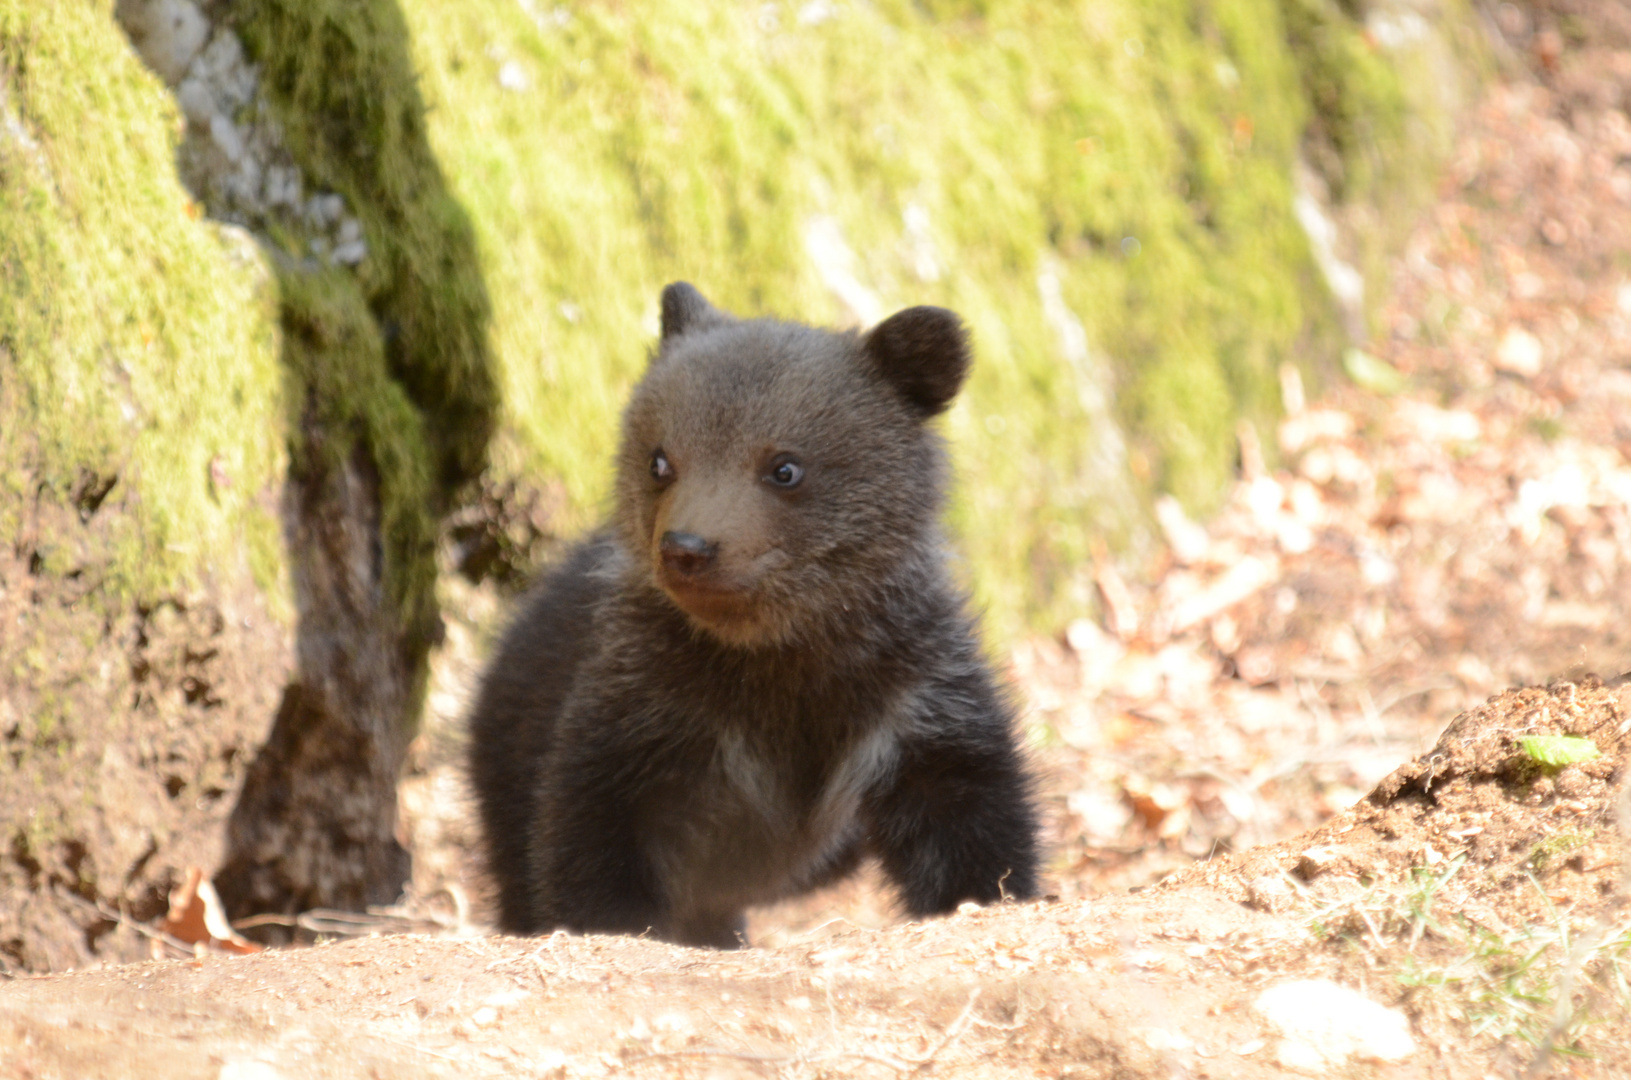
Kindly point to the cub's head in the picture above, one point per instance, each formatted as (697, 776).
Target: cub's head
(774, 476)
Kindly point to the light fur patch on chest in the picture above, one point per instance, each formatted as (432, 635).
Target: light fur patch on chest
(869, 760)
(753, 777)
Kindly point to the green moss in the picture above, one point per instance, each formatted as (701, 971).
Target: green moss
(338, 75)
(647, 143)
(136, 342)
(393, 357)
(1139, 154)
(336, 360)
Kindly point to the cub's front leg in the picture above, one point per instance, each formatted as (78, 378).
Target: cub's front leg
(610, 840)
(590, 861)
(955, 821)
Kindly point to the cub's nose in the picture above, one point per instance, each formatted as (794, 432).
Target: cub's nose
(686, 553)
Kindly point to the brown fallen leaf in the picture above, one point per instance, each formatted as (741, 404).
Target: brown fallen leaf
(197, 918)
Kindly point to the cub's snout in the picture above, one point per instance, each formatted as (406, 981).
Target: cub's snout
(686, 556)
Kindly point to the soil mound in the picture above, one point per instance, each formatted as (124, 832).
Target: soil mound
(1522, 788)
(1467, 918)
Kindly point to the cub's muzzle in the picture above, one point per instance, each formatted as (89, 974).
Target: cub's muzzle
(687, 555)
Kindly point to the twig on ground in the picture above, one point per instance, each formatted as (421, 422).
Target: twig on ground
(122, 919)
(954, 1031)
(419, 1049)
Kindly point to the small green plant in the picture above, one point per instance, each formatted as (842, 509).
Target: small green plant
(1548, 852)
(1541, 984)
(1549, 428)
(1557, 751)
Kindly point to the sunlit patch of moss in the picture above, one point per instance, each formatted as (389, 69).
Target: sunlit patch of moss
(336, 361)
(338, 76)
(1143, 153)
(1144, 150)
(396, 353)
(136, 341)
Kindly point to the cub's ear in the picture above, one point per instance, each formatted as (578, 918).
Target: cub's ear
(923, 352)
(686, 309)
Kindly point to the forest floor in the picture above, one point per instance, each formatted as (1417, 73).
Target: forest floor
(1270, 854)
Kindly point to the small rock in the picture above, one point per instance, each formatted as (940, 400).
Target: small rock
(1271, 893)
(283, 186)
(1573, 783)
(1318, 860)
(1519, 353)
(246, 184)
(350, 254)
(221, 64)
(226, 136)
(322, 211)
(167, 34)
(1325, 1026)
(196, 101)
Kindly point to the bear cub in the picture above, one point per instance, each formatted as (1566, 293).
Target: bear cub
(759, 670)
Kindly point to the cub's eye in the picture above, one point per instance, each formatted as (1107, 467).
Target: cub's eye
(661, 470)
(785, 472)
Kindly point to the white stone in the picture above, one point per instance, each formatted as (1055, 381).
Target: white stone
(226, 135)
(222, 65)
(283, 186)
(350, 254)
(322, 211)
(1325, 1026)
(167, 34)
(196, 101)
(249, 1069)
(1519, 353)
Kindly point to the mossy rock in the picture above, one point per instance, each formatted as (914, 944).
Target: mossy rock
(144, 590)
(1120, 165)
(1103, 189)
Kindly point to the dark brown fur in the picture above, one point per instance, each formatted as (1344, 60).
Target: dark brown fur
(740, 686)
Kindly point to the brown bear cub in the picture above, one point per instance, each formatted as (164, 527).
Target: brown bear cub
(759, 671)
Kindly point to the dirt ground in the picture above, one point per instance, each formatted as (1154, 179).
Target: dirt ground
(1227, 900)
